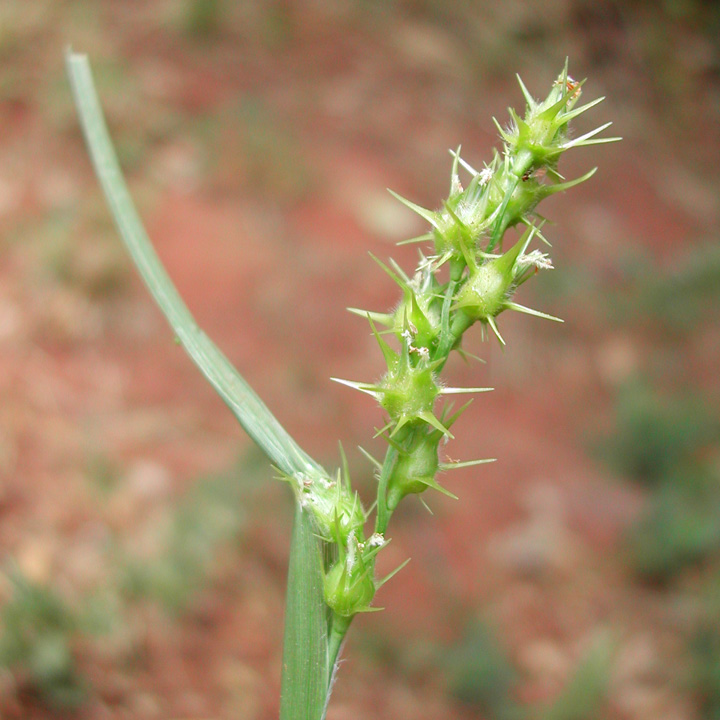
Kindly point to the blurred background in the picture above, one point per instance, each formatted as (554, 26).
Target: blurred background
(144, 542)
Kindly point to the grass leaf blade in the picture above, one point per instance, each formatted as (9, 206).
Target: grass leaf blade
(254, 416)
(305, 673)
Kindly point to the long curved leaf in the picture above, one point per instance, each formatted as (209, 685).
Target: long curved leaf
(259, 423)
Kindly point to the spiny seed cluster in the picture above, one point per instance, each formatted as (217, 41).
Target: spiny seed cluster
(468, 278)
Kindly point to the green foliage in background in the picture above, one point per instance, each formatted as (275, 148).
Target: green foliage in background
(673, 302)
(203, 18)
(668, 441)
(657, 437)
(704, 645)
(36, 644)
(40, 629)
(679, 528)
(481, 675)
(209, 517)
(688, 294)
(587, 688)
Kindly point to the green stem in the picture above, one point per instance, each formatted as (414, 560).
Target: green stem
(500, 227)
(383, 511)
(340, 627)
(521, 164)
(447, 337)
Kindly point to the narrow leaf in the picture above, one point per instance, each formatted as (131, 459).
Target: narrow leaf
(305, 673)
(254, 416)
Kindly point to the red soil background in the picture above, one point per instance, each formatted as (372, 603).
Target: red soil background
(259, 152)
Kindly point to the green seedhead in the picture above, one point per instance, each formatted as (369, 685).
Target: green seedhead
(468, 280)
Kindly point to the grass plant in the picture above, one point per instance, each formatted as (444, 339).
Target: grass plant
(469, 277)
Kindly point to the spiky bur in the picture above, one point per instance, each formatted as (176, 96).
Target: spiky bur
(335, 508)
(467, 279)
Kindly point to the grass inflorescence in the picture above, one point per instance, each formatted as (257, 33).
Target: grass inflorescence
(469, 277)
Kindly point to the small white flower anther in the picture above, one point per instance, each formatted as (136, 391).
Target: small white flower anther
(540, 260)
(376, 540)
(485, 175)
